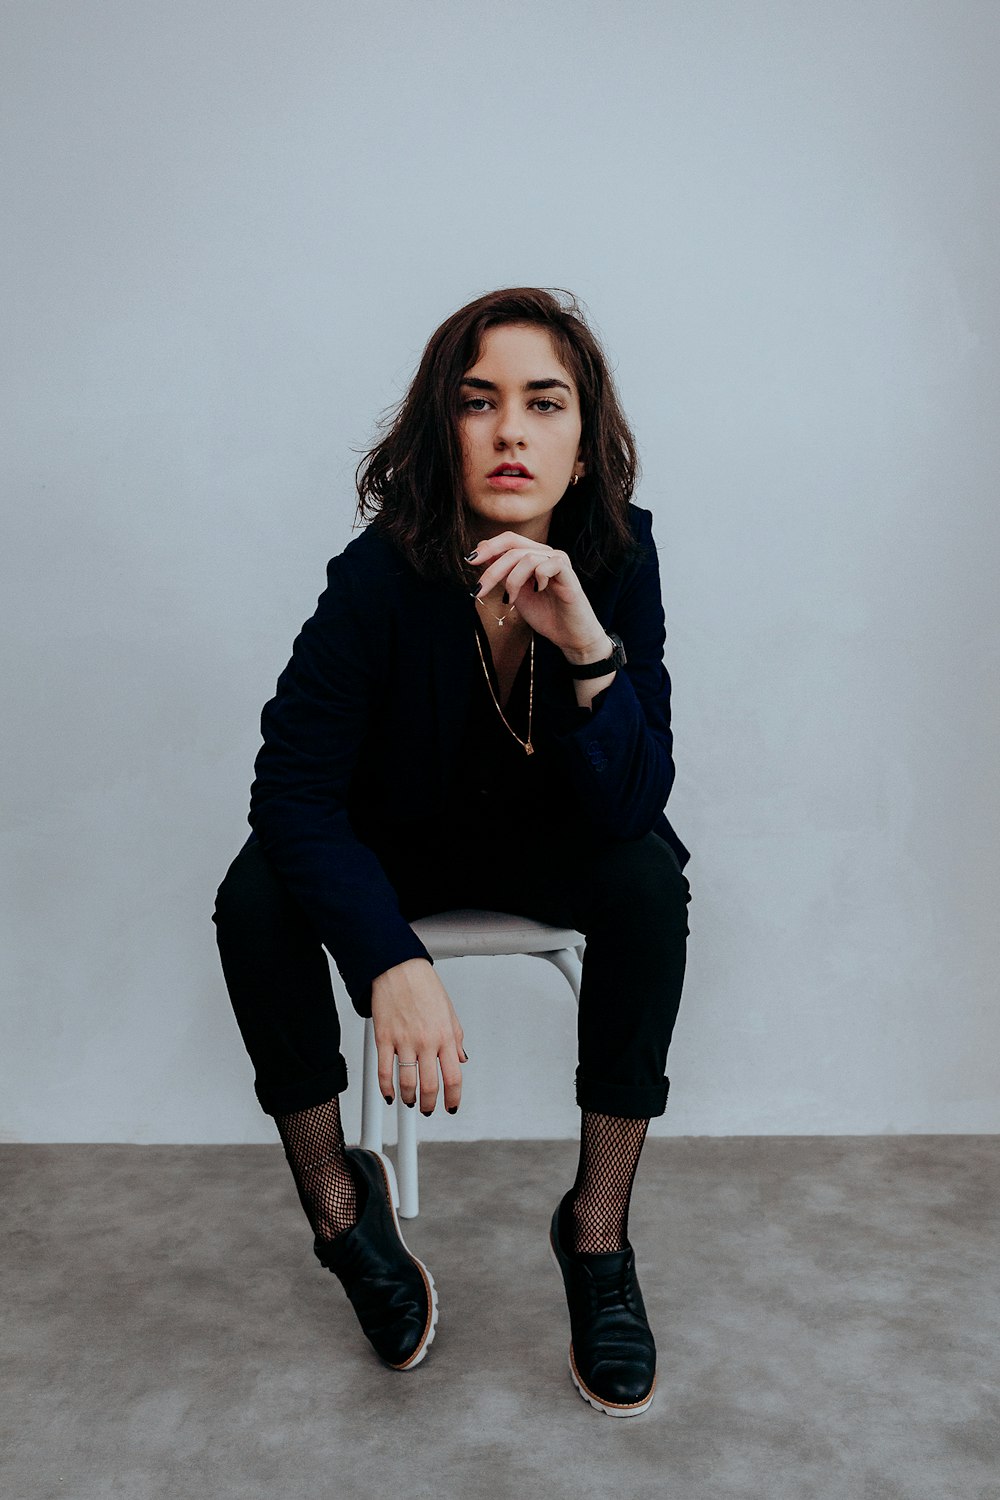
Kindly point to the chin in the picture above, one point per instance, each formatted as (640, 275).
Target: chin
(512, 511)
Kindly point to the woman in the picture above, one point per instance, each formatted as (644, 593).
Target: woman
(477, 714)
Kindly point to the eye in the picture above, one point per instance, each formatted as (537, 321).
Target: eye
(469, 404)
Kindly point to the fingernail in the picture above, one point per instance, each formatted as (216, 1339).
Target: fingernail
(453, 1109)
(387, 1098)
(410, 1103)
(426, 1111)
(475, 591)
(535, 585)
(471, 556)
(506, 597)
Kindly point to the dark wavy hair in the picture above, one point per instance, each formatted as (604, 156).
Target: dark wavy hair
(410, 484)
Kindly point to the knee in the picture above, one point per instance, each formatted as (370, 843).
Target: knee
(642, 877)
(249, 895)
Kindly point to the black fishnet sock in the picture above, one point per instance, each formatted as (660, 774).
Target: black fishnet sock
(597, 1210)
(314, 1145)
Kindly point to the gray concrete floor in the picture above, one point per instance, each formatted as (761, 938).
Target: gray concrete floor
(827, 1315)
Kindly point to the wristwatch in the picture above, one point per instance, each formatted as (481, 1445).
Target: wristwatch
(601, 668)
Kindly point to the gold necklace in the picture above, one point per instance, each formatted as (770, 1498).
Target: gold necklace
(499, 618)
(526, 745)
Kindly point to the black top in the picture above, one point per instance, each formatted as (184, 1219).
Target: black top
(497, 787)
(496, 775)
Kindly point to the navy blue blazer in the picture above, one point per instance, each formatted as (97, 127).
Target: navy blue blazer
(362, 735)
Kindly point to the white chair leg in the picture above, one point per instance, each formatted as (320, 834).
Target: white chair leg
(568, 964)
(406, 1192)
(372, 1103)
(406, 1159)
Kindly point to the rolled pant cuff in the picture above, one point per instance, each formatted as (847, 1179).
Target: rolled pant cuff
(628, 1101)
(286, 1098)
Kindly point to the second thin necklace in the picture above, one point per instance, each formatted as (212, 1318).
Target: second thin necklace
(526, 745)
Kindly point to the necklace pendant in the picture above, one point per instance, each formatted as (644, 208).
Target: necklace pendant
(529, 748)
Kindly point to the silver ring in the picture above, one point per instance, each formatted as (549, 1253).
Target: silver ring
(409, 1065)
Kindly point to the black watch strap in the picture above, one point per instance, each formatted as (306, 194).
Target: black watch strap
(602, 668)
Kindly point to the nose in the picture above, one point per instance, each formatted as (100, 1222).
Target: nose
(509, 429)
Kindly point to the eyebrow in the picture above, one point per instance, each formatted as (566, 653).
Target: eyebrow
(529, 385)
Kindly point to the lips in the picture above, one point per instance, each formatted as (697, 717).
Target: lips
(510, 469)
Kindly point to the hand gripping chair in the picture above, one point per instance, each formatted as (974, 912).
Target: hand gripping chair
(458, 934)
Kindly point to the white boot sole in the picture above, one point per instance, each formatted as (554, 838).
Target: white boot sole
(392, 1191)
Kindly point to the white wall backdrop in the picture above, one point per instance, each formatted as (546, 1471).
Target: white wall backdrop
(229, 230)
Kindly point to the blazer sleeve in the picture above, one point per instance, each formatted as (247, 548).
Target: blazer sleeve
(618, 754)
(313, 730)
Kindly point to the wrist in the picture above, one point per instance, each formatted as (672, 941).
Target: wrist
(599, 649)
(388, 976)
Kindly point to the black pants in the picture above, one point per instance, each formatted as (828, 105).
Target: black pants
(629, 898)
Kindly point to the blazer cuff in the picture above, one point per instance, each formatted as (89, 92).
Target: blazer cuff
(567, 718)
(358, 978)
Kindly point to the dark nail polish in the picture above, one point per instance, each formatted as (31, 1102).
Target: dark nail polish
(535, 585)
(506, 597)
(453, 1109)
(387, 1098)
(475, 591)
(410, 1103)
(426, 1111)
(472, 555)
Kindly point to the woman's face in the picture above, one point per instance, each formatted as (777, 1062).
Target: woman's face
(518, 406)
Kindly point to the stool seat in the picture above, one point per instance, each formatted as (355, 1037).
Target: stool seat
(467, 931)
(463, 932)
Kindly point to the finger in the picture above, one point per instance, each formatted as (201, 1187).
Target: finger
(428, 1082)
(451, 1074)
(541, 577)
(463, 1056)
(502, 567)
(558, 566)
(501, 542)
(494, 573)
(407, 1082)
(385, 1052)
(486, 550)
(520, 573)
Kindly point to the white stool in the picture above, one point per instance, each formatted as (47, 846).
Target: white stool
(458, 934)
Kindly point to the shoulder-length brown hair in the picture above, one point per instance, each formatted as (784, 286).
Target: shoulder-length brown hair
(410, 484)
